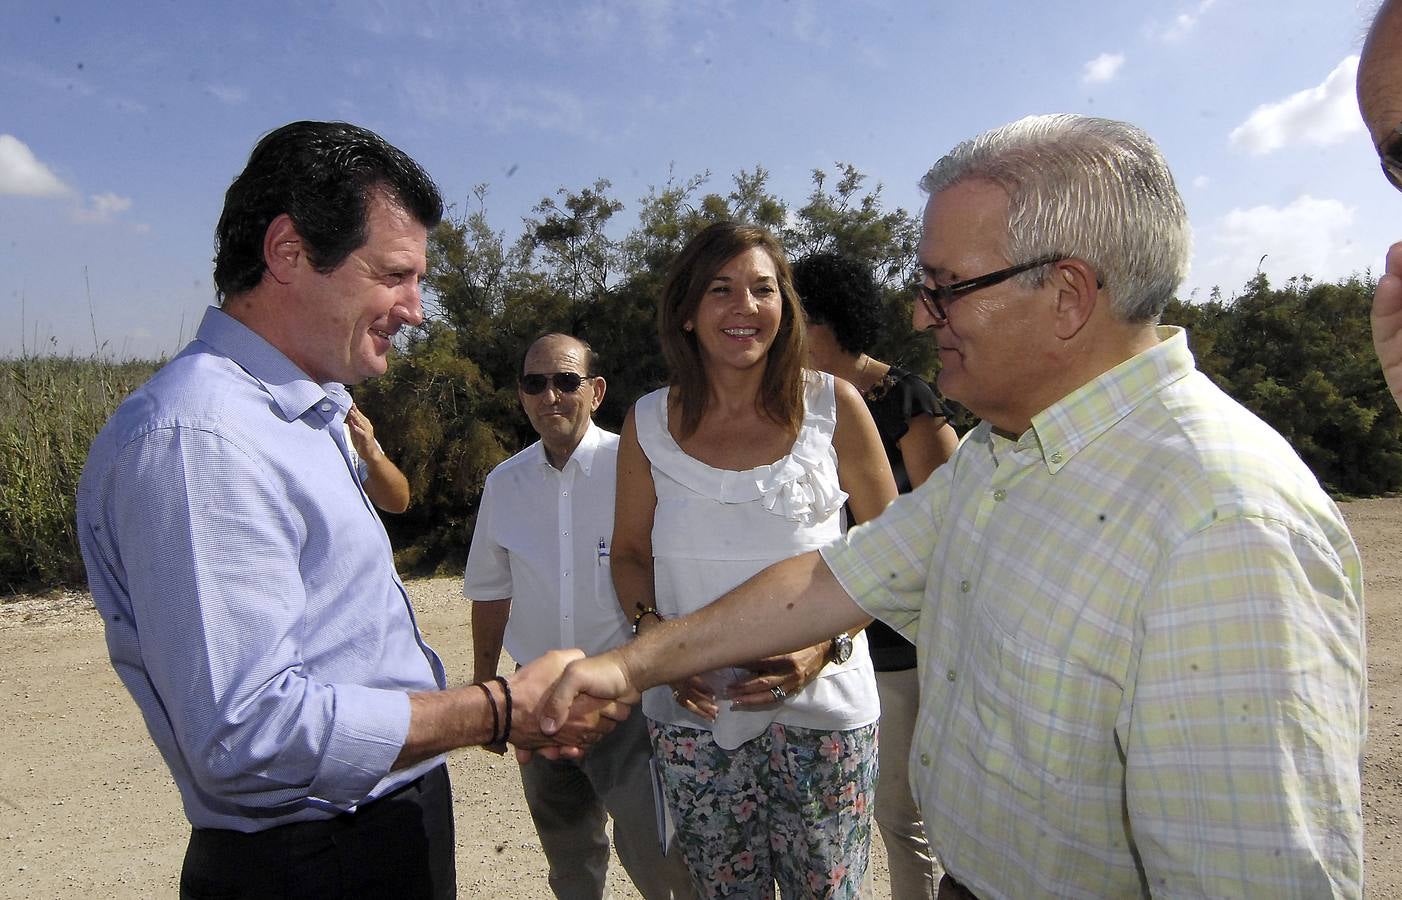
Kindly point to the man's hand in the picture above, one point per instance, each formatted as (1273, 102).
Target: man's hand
(1387, 322)
(581, 723)
(592, 680)
(791, 672)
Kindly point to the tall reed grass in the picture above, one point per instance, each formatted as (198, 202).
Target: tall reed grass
(51, 408)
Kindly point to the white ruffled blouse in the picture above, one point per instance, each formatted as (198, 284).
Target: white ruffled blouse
(714, 528)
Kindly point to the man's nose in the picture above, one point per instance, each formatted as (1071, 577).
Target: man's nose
(922, 320)
(411, 307)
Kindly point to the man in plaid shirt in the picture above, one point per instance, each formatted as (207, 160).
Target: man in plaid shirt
(1139, 618)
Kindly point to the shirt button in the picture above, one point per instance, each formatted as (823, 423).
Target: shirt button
(326, 407)
(964, 587)
(949, 676)
(1000, 495)
(1056, 458)
(925, 759)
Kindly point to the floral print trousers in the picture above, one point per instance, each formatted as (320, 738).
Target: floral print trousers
(792, 805)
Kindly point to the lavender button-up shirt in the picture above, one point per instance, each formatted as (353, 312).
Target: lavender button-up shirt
(248, 588)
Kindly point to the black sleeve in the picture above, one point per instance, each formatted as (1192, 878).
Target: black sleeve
(909, 397)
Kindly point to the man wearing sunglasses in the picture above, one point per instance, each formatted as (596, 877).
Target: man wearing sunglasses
(1139, 618)
(539, 579)
(1380, 102)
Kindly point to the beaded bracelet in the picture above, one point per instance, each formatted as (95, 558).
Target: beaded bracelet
(646, 611)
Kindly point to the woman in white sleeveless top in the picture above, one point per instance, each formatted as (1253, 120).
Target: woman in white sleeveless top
(769, 770)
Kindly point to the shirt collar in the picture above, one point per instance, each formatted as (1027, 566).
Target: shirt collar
(1073, 422)
(294, 392)
(583, 455)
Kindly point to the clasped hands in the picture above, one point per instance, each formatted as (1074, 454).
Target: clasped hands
(771, 680)
(608, 677)
(576, 725)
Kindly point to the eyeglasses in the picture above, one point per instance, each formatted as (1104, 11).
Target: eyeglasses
(938, 298)
(1390, 156)
(564, 382)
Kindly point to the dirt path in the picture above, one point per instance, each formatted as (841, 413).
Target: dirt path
(87, 807)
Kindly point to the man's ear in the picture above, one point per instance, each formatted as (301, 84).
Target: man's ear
(282, 248)
(1077, 295)
(599, 387)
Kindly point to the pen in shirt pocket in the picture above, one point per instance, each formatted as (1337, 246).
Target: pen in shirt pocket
(603, 552)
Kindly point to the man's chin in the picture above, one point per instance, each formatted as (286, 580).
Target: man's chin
(367, 371)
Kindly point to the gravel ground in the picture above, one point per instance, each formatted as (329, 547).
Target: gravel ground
(91, 811)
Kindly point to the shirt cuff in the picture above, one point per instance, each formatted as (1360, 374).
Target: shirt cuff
(367, 734)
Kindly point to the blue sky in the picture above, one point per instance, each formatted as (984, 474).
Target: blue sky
(121, 124)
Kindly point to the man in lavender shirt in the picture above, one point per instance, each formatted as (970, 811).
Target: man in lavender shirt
(245, 582)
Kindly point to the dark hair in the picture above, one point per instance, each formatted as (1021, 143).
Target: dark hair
(591, 357)
(322, 175)
(839, 292)
(781, 391)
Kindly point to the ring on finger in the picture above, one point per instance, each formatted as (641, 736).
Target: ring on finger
(779, 693)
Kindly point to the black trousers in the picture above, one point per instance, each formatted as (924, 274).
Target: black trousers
(399, 846)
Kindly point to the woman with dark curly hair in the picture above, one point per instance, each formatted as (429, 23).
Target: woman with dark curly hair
(843, 308)
(746, 459)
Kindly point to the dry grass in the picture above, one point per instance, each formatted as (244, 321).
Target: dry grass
(51, 408)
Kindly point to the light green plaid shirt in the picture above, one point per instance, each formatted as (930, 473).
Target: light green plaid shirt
(1140, 629)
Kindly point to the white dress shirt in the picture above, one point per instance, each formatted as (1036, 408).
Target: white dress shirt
(542, 539)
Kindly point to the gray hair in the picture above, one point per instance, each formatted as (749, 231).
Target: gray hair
(1094, 189)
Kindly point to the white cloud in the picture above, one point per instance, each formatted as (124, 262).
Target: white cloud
(501, 106)
(1184, 23)
(1201, 182)
(101, 208)
(22, 173)
(1308, 236)
(548, 28)
(228, 95)
(45, 78)
(654, 18)
(809, 25)
(1103, 68)
(1321, 115)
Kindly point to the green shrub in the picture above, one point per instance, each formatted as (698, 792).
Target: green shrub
(51, 408)
(1300, 356)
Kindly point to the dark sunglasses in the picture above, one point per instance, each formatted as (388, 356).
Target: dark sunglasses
(564, 382)
(1390, 156)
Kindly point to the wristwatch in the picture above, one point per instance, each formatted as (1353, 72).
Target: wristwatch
(841, 649)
